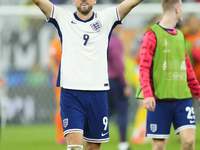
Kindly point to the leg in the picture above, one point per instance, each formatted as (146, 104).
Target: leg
(74, 141)
(157, 126)
(121, 106)
(187, 137)
(122, 118)
(92, 146)
(74, 138)
(59, 129)
(184, 124)
(111, 96)
(158, 144)
(73, 119)
(122, 121)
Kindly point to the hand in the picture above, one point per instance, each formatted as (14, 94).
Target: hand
(150, 104)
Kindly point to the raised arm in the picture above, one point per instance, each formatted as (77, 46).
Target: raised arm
(126, 6)
(45, 6)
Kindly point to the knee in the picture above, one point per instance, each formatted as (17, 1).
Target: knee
(188, 143)
(158, 144)
(92, 146)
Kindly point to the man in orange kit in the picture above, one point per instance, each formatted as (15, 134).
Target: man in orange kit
(53, 63)
(192, 36)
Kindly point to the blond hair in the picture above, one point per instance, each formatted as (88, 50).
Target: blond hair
(169, 4)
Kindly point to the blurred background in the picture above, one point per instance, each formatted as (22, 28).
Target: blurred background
(28, 96)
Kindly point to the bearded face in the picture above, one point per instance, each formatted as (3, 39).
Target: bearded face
(84, 9)
(84, 6)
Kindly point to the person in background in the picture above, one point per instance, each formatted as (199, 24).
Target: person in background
(83, 72)
(2, 82)
(53, 63)
(139, 129)
(192, 36)
(119, 89)
(167, 80)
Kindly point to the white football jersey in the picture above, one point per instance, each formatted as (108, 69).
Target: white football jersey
(84, 48)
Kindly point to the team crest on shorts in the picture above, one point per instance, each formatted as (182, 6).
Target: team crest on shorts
(65, 122)
(153, 127)
(96, 26)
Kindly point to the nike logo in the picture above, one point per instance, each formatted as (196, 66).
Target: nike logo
(192, 121)
(73, 22)
(103, 134)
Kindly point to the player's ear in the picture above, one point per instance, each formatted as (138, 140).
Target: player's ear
(73, 2)
(177, 10)
(95, 1)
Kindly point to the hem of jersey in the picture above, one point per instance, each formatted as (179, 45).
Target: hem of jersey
(86, 89)
(185, 127)
(96, 140)
(72, 131)
(158, 136)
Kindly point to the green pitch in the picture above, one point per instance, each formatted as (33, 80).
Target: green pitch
(42, 137)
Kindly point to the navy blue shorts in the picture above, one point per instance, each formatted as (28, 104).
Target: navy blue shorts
(85, 112)
(179, 112)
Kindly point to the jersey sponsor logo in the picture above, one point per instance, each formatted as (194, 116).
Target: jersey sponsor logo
(65, 122)
(73, 22)
(166, 50)
(96, 26)
(103, 134)
(192, 121)
(153, 127)
(176, 76)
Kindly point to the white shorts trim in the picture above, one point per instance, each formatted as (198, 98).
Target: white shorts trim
(185, 127)
(158, 136)
(96, 140)
(72, 131)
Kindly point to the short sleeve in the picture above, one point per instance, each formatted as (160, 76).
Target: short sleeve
(111, 14)
(58, 13)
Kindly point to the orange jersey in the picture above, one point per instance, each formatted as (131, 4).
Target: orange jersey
(55, 51)
(194, 39)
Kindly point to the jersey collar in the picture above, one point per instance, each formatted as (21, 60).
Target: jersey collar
(75, 15)
(171, 31)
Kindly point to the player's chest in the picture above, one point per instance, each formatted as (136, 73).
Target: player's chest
(91, 27)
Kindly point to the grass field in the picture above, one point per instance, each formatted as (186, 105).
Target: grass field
(41, 137)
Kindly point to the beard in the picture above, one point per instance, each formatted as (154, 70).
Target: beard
(86, 11)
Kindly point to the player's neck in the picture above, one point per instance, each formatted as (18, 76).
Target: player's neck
(85, 17)
(168, 22)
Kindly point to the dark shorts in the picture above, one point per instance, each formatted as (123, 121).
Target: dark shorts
(179, 112)
(85, 112)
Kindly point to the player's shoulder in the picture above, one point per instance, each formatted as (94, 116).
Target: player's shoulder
(105, 12)
(61, 10)
(149, 33)
(149, 36)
